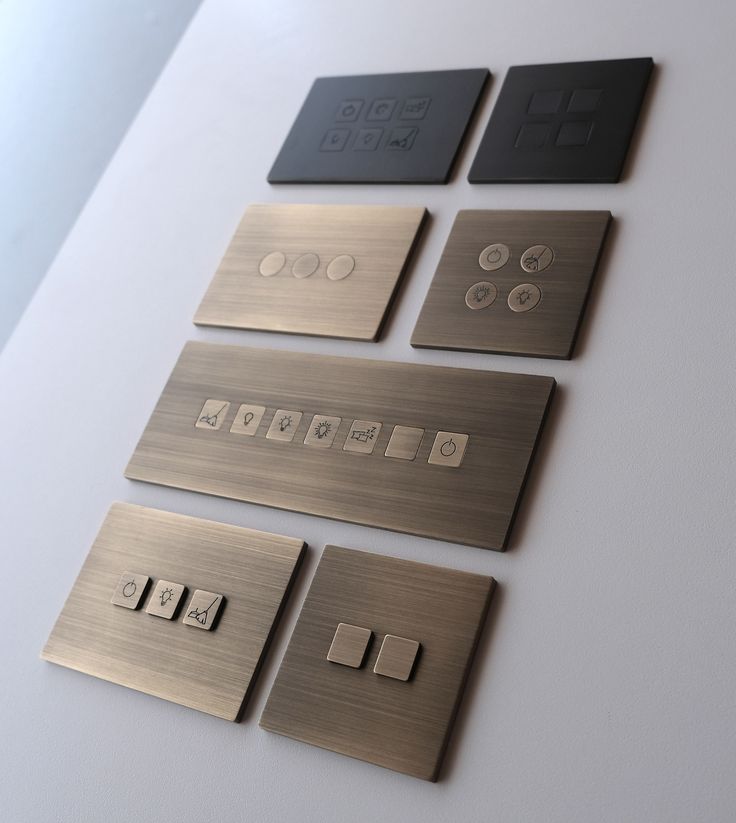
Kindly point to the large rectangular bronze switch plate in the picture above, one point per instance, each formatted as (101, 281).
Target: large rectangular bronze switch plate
(513, 282)
(432, 451)
(330, 271)
(391, 696)
(227, 580)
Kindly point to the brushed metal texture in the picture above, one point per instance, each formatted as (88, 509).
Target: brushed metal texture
(315, 291)
(208, 671)
(550, 328)
(475, 504)
(402, 725)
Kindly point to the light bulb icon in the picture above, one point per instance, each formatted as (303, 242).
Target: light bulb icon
(247, 417)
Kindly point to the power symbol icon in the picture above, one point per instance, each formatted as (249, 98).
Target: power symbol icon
(448, 448)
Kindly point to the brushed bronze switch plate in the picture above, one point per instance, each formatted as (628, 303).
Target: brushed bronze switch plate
(513, 282)
(211, 671)
(449, 460)
(331, 271)
(397, 709)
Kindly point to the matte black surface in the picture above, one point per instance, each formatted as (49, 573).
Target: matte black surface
(380, 128)
(563, 123)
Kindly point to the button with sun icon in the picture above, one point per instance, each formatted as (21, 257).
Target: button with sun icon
(164, 601)
(480, 295)
(322, 431)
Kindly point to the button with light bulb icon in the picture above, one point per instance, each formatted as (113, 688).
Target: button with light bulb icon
(165, 600)
(448, 449)
(524, 297)
(480, 295)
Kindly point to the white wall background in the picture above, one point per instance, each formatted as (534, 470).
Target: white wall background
(73, 75)
(604, 687)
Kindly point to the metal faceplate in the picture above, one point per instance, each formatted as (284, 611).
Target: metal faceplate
(513, 282)
(227, 580)
(482, 426)
(331, 271)
(395, 707)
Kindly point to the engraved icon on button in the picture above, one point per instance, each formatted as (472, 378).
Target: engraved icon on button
(349, 645)
(305, 265)
(415, 108)
(367, 139)
(272, 263)
(381, 109)
(448, 449)
(537, 258)
(247, 420)
(362, 437)
(202, 609)
(524, 297)
(402, 139)
(335, 140)
(284, 425)
(494, 257)
(480, 295)
(404, 443)
(130, 589)
(396, 657)
(348, 111)
(322, 431)
(165, 599)
(212, 415)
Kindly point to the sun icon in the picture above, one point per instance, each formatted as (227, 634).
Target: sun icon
(480, 293)
(165, 596)
(322, 429)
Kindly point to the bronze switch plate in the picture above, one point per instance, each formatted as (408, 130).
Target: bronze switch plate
(513, 282)
(397, 709)
(330, 271)
(211, 671)
(450, 447)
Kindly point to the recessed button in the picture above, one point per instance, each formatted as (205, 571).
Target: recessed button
(305, 265)
(322, 431)
(130, 589)
(272, 263)
(448, 449)
(247, 420)
(202, 609)
(480, 295)
(349, 645)
(340, 267)
(363, 436)
(165, 599)
(284, 425)
(524, 297)
(404, 443)
(213, 414)
(396, 657)
(494, 257)
(537, 258)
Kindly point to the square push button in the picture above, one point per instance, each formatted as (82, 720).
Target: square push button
(130, 589)
(349, 645)
(202, 609)
(165, 599)
(322, 431)
(396, 658)
(448, 449)
(363, 436)
(574, 133)
(212, 415)
(247, 420)
(284, 425)
(335, 140)
(348, 111)
(404, 443)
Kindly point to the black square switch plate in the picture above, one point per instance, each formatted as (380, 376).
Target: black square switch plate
(381, 128)
(563, 123)
(513, 282)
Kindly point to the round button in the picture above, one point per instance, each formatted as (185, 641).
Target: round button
(480, 295)
(494, 256)
(524, 297)
(305, 265)
(340, 267)
(537, 258)
(272, 264)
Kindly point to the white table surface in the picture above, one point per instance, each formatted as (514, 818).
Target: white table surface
(604, 685)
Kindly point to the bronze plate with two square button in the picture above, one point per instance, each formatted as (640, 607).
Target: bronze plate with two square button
(436, 452)
(513, 282)
(227, 580)
(377, 663)
(330, 271)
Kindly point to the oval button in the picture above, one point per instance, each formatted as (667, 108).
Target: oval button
(537, 258)
(272, 264)
(305, 265)
(494, 256)
(524, 297)
(480, 295)
(340, 267)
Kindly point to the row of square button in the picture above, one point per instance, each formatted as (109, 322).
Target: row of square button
(448, 448)
(400, 139)
(382, 109)
(396, 656)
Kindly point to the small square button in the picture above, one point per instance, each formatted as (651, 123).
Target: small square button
(322, 431)
(348, 111)
(284, 425)
(396, 657)
(363, 436)
(574, 133)
(202, 609)
(247, 420)
(415, 108)
(381, 109)
(448, 449)
(404, 443)
(545, 102)
(130, 589)
(532, 136)
(367, 140)
(349, 645)
(335, 140)
(584, 100)
(212, 415)
(402, 139)
(165, 599)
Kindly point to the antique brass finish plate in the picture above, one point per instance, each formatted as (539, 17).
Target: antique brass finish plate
(533, 302)
(330, 271)
(397, 709)
(211, 671)
(467, 493)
